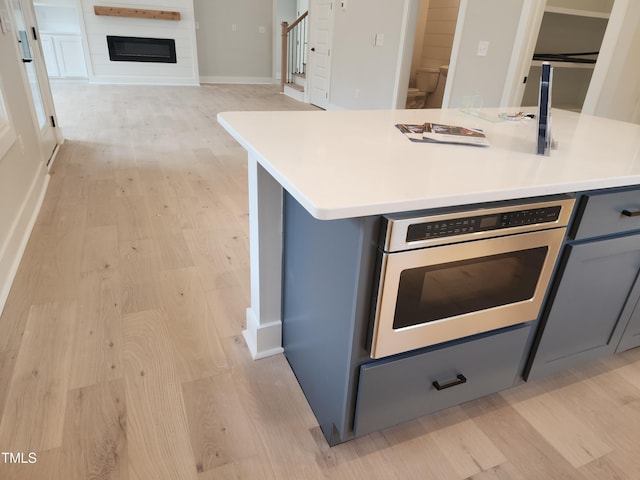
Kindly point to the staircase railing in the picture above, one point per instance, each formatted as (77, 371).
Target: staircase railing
(294, 51)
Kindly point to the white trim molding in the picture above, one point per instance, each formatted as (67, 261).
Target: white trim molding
(14, 246)
(240, 80)
(263, 340)
(263, 333)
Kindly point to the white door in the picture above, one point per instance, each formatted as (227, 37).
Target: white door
(320, 31)
(26, 34)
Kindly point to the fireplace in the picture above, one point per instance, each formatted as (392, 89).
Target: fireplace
(137, 49)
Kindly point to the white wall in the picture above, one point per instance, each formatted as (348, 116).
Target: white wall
(240, 56)
(479, 81)
(365, 76)
(23, 176)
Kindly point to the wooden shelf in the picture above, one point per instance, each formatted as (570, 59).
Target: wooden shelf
(556, 64)
(579, 13)
(136, 13)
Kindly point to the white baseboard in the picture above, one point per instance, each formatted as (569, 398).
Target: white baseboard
(143, 80)
(242, 80)
(293, 93)
(263, 340)
(13, 249)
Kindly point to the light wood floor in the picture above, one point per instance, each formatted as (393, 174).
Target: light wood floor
(121, 354)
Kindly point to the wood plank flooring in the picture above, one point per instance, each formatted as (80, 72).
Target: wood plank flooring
(121, 354)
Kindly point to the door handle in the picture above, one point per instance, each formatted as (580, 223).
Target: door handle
(24, 45)
(627, 213)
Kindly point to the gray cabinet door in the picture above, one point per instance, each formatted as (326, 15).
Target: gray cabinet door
(631, 335)
(583, 321)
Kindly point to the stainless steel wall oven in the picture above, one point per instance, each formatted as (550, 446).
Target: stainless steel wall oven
(449, 275)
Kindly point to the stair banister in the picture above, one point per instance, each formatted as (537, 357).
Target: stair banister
(287, 49)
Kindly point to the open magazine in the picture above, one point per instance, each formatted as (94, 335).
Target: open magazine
(438, 133)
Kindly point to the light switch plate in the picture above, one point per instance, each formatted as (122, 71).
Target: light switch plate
(4, 23)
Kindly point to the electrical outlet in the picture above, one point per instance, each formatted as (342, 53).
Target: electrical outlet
(483, 48)
(234, 27)
(262, 30)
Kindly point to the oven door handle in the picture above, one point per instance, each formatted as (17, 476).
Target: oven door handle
(460, 379)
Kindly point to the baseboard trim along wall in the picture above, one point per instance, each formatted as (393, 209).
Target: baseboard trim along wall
(142, 80)
(14, 247)
(241, 80)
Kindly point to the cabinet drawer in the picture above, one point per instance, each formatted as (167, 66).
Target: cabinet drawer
(602, 213)
(394, 391)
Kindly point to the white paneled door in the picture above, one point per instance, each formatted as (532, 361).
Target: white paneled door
(27, 35)
(320, 32)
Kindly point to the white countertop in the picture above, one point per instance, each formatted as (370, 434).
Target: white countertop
(342, 164)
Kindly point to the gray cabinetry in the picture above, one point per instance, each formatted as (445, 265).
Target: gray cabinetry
(631, 335)
(593, 296)
(328, 279)
(394, 391)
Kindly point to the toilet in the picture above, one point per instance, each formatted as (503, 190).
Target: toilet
(426, 82)
(435, 99)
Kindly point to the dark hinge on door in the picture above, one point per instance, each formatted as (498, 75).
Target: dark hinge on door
(34, 33)
(53, 121)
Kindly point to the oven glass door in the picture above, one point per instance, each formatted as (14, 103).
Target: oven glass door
(434, 292)
(442, 293)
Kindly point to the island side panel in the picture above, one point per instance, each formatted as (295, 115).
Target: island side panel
(327, 277)
(263, 332)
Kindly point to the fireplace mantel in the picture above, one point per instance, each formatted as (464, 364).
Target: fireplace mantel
(136, 13)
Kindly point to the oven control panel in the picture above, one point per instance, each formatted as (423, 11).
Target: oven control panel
(482, 223)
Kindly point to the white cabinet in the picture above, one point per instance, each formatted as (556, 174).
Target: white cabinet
(63, 55)
(59, 26)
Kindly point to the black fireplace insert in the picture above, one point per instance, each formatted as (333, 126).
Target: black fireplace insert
(138, 49)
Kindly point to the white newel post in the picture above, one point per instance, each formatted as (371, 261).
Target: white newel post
(263, 333)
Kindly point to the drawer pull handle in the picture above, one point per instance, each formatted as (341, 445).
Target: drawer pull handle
(460, 379)
(627, 213)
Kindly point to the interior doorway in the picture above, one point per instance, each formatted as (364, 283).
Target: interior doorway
(435, 31)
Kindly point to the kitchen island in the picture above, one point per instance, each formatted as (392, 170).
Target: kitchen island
(319, 183)
(347, 164)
